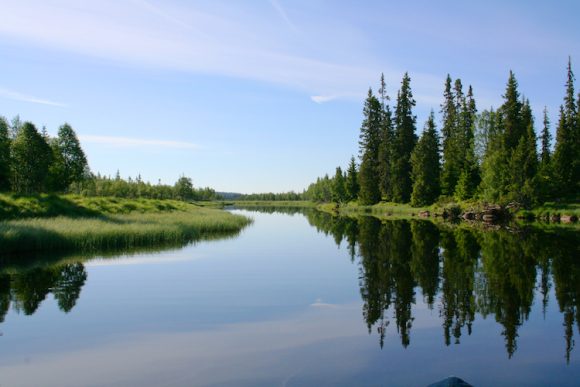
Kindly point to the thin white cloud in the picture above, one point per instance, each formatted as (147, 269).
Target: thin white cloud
(323, 98)
(278, 7)
(127, 142)
(16, 96)
(171, 36)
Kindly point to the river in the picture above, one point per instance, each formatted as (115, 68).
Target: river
(300, 298)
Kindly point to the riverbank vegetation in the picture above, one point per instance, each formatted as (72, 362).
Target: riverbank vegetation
(110, 224)
(487, 157)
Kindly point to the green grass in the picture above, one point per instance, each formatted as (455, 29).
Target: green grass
(46, 223)
(550, 208)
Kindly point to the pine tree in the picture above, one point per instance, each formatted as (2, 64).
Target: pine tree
(565, 160)
(523, 162)
(426, 167)
(546, 138)
(405, 140)
(4, 155)
(469, 174)
(511, 111)
(545, 176)
(369, 149)
(31, 157)
(450, 172)
(338, 187)
(386, 143)
(352, 187)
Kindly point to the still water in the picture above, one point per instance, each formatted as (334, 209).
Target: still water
(303, 299)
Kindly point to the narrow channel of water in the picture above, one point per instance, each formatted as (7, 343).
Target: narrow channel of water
(303, 299)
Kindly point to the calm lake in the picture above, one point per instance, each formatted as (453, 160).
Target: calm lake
(303, 299)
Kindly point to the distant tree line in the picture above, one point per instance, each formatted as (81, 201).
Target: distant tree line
(491, 156)
(32, 162)
(284, 196)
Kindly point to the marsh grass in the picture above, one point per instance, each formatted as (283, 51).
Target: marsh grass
(105, 224)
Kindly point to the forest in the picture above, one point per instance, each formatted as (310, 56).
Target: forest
(32, 162)
(492, 156)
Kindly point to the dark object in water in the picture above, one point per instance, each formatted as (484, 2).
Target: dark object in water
(451, 381)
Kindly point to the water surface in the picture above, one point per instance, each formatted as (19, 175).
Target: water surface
(303, 299)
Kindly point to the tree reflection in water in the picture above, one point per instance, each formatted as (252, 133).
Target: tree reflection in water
(464, 270)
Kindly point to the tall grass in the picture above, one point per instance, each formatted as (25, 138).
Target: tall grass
(116, 231)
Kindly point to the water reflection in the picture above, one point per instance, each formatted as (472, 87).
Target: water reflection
(460, 271)
(26, 289)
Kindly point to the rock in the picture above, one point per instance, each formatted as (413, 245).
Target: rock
(555, 218)
(424, 214)
(568, 218)
(468, 215)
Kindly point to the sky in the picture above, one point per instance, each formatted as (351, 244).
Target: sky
(262, 95)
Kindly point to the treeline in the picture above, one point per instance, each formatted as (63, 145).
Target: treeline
(491, 156)
(284, 196)
(32, 162)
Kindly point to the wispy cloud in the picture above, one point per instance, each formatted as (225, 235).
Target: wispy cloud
(186, 38)
(16, 96)
(282, 12)
(127, 142)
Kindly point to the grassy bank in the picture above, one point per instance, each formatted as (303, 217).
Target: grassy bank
(69, 223)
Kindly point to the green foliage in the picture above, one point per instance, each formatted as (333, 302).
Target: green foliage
(387, 137)
(352, 186)
(566, 164)
(405, 140)
(426, 168)
(4, 155)
(30, 160)
(339, 186)
(370, 138)
(183, 188)
(69, 163)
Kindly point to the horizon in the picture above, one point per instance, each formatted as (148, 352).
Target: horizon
(263, 96)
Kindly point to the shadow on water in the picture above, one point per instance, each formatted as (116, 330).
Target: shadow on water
(461, 270)
(27, 279)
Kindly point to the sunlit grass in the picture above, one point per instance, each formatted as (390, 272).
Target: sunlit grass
(95, 224)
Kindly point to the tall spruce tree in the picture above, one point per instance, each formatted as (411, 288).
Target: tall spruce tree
(545, 176)
(386, 143)
(523, 162)
(426, 169)
(469, 174)
(31, 157)
(370, 136)
(546, 139)
(565, 160)
(4, 155)
(338, 187)
(352, 186)
(405, 140)
(451, 157)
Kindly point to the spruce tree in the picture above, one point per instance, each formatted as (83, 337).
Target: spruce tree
(545, 178)
(31, 157)
(4, 155)
(546, 139)
(338, 187)
(523, 162)
(450, 172)
(405, 140)
(386, 143)
(369, 150)
(565, 160)
(352, 187)
(469, 174)
(426, 167)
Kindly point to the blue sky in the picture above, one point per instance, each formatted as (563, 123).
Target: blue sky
(264, 95)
